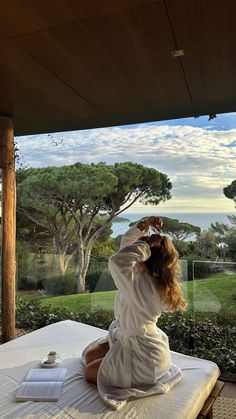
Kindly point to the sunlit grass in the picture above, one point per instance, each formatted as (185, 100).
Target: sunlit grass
(76, 302)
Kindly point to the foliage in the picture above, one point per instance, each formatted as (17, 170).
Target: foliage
(197, 269)
(92, 279)
(202, 339)
(207, 242)
(97, 266)
(105, 282)
(232, 219)
(75, 204)
(230, 190)
(231, 243)
(32, 315)
(177, 230)
(32, 268)
(226, 234)
(37, 270)
(98, 277)
(32, 235)
(117, 241)
(58, 284)
(100, 280)
(95, 317)
(104, 248)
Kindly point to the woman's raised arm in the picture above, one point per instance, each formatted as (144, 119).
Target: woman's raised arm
(140, 229)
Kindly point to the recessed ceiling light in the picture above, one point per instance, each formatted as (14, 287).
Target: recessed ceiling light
(177, 53)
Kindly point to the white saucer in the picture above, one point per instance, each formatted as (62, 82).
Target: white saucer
(46, 364)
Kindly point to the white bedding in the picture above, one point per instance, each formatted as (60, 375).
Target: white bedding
(80, 399)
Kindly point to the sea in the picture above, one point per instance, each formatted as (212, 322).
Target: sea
(202, 220)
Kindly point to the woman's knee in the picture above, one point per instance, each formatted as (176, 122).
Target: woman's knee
(99, 351)
(91, 370)
(91, 355)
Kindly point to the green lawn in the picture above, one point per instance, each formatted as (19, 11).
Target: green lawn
(213, 294)
(76, 302)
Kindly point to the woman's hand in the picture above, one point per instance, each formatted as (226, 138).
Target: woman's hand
(155, 222)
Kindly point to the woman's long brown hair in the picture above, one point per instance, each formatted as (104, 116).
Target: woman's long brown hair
(164, 266)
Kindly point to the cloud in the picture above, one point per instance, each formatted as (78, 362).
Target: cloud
(199, 161)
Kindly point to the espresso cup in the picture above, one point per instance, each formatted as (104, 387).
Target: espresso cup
(52, 356)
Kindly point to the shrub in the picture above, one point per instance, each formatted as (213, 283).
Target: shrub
(100, 280)
(96, 267)
(31, 268)
(95, 317)
(203, 339)
(58, 284)
(92, 279)
(28, 283)
(30, 314)
(105, 282)
(198, 269)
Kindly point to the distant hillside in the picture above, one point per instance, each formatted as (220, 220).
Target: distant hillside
(120, 220)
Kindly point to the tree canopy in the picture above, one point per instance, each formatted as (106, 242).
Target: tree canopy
(67, 200)
(178, 230)
(226, 235)
(230, 191)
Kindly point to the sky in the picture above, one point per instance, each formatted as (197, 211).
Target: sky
(198, 156)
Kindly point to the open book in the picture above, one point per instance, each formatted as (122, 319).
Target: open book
(42, 385)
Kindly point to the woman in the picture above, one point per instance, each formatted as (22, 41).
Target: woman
(135, 360)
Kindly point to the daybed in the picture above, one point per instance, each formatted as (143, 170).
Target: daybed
(80, 399)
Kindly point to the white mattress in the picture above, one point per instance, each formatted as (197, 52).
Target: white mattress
(80, 399)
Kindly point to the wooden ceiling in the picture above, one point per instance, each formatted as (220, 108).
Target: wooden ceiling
(75, 64)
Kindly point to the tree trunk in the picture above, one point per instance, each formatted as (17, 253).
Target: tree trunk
(81, 274)
(80, 268)
(84, 258)
(59, 257)
(61, 263)
(81, 284)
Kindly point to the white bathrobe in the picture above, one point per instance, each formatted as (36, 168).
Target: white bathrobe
(138, 363)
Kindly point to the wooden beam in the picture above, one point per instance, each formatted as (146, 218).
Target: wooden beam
(8, 228)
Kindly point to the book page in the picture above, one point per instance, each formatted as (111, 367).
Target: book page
(40, 391)
(40, 374)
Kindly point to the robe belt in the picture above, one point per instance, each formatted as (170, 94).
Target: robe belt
(117, 331)
(141, 331)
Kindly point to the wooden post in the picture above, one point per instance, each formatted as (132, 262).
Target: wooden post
(8, 228)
